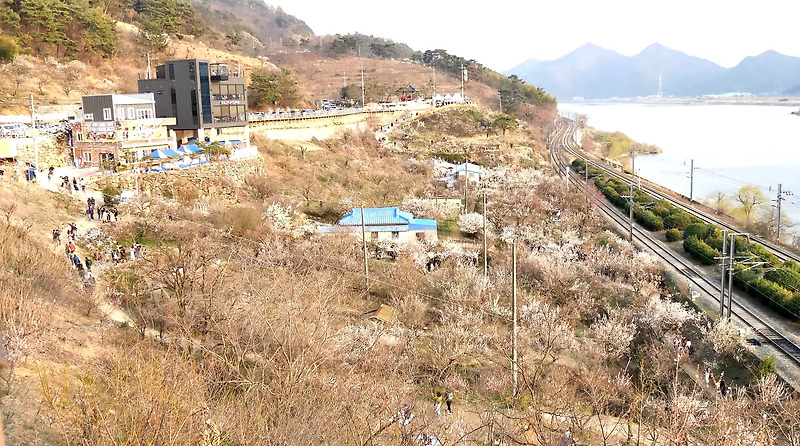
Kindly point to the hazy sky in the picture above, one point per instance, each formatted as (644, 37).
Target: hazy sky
(501, 34)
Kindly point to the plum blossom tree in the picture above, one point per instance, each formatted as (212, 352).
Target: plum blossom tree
(471, 223)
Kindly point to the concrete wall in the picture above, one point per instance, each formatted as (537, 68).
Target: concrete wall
(319, 127)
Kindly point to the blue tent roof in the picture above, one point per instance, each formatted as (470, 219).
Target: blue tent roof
(171, 152)
(377, 216)
(194, 148)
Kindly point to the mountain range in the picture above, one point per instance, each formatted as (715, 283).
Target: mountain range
(593, 72)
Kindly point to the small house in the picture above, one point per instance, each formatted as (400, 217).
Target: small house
(384, 224)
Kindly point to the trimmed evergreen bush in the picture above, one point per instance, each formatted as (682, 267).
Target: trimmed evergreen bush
(700, 250)
(673, 235)
(698, 230)
(647, 219)
(677, 219)
(785, 277)
(771, 259)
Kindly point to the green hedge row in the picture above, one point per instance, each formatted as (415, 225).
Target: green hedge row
(700, 250)
(780, 285)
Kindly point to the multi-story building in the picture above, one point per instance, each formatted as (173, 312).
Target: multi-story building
(207, 101)
(119, 129)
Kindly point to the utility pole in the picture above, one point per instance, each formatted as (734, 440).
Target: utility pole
(147, 75)
(363, 104)
(466, 178)
(463, 75)
(691, 181)
(633, 162)
(630, 212)
(33, 129)
(778, 199)
(485, 251)
(500, 95)
(722, 284)
(514, 316)
(137, 174)
(730, 273)
(433, 74)
(364, 241)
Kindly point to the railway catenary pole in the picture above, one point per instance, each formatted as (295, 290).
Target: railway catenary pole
(730, 274)
(722, 284)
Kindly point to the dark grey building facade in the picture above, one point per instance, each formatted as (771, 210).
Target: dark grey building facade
(202, 96)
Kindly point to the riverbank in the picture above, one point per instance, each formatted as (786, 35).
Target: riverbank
(776, 100)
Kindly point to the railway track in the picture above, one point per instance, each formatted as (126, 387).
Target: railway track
(560, 137)
(781, 252)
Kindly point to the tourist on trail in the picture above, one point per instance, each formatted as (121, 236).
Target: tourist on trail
(56, 236)
(75, 184)
(108, 216)
(91, 212)
(708, 376)
(76, 261)
(88, 263)
(71, 247)
(74, 228)
(100, 212)
(115, 256)
(723, 388)
(438, 404)
(116, 214)
(133, 253)
(449, 401)
(689, 349)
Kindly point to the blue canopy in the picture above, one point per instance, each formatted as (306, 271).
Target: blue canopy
(158, 154)
(194, 148)
(172, 152)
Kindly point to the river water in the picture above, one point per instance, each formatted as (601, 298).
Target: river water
(731, 145)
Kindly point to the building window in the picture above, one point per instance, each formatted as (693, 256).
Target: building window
(143, 114)
(120, 113)
(79, 136)
(87, 156)
(171, 72)
(88, 117)
(373, 236)
(106, 114)
(131, 113)
(395, 235)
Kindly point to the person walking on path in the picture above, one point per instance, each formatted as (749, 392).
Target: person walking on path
(438, 404)
(708, 377)
(76, 261)
(88, 262)
(449, 401)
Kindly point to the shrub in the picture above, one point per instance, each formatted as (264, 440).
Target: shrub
(784, 277)
(677, 219)
(715, 242)
(578, 165)
(700, 250)
(773, 260)
(743, 276)
(770, 292)
(791, 264)
(698, 230)
(766, 367)
(647, 219)
(110, 195)
(673, 235)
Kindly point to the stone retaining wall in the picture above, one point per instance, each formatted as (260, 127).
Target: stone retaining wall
(220, 180)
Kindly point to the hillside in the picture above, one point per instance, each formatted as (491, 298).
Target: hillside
(236, 325)
(593, 72)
